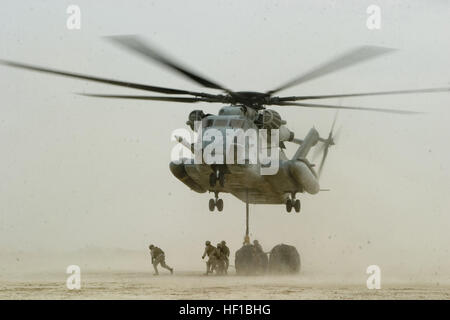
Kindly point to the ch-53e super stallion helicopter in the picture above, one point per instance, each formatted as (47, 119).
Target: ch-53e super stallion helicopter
(245, 110)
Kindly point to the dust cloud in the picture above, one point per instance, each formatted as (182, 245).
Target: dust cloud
(86, 181)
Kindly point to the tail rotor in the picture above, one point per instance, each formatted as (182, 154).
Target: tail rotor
(326, 144)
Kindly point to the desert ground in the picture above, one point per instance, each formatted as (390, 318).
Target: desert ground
(193, 285)
(128, 274)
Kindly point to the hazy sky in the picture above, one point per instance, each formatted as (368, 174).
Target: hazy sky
(78, 172)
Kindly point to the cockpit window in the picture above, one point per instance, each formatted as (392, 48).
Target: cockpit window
(236, 123)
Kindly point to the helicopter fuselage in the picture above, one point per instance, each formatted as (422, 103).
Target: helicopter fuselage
(240, 179)
(245, 180)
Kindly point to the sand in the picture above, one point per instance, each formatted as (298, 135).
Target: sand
(193, 285)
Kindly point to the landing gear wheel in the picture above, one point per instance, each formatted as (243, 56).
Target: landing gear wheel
(212, 180)
(219, 205)
(297, 205)
(288, 205)
(222, 179)
(212, 204)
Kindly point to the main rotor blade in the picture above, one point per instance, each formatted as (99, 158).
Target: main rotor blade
(102, 80)
(169, 99)
(363, 94)
(325, 106)
(136, 45)
(348, 59)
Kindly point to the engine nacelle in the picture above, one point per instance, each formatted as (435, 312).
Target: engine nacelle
(304, 176)
(196, 115)
(271, 119)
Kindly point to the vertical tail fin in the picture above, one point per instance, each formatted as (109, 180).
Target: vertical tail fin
(310, 141)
